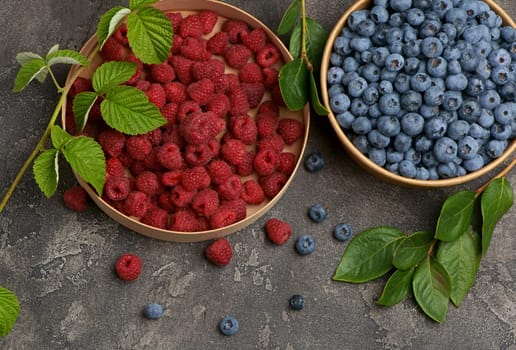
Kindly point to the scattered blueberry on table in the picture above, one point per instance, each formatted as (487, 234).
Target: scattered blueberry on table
(228, 325)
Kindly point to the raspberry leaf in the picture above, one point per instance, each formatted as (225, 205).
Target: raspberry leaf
(34, 69)
(128, 110)
(293, 80)
(412, 250)
(315, 101)
(456, 215)
(398, 286)
(461, 259)
(82, 104)
(66, 57)
(109, 22)
(150, 35)
(59, 137)
(431, 286)
(496, 200)
(86, 158)
(289, 17)
(46, 171)
(53, 49)
(136, 4)
(25, 57)
(9, 310)
(111, 74)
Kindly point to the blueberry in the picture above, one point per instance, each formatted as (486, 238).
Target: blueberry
(429, 160)
(336, 59)
(357, 86)
(411, 48)
(437, 67)
(228, 325)
(412, 124)
(400, 5)
(428, 111)
(297, 302)
(489, 99)
(334, 90)
(447, 170)
(335, 75)
(317, 213)
(361, 125)
(356, 17)
(409, 33)
(390, 104)
(360, 44)
(422, 173)
(429, 27)
(422, 143)
(342, 232)
(413, 155)
(433, 96)
(396, 19)
(468, 147)
(486, 118)
(402, 82)
(394, 35)
(305, 244)
(474, 34)
(508, 34)
(452, 100)
(411, 65)
(402, 142)
(501, 131)
(441, 7)
(445, 149)
(374, 111)
(457, 17)
(483, 69)
(500, 75)
(473, 164)
(370, 95)
(469, 59)
(341, 45)
(379, 14)
(388, 125)
(411, 101)
(314, 162)
(350, 64)
(415, 16)
(407, 169)
(393, 168)
(394, 62)
(366, 27)
(153, 311)
(470, 110)
(456, 82)
(451, 53)
(381, 3)
(371, 72)
(484, 48)
(377, 155)
(361, 143)
(358, 107)
(508, 91)
(348, 77)
(431, 47)
(340, 103)
(479, 132)
(393, 156)
(345, 119)
(377, 139)
(422, 4)
(505, 113)
(448, 116)
(365, 56)
(457, 129)
(385, 87)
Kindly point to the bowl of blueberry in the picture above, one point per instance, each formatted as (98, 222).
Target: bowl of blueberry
(422, 93)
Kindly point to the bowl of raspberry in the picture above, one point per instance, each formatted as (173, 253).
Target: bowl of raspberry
(229, 148)
(422, 93)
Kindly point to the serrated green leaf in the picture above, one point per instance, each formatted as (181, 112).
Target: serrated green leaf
(9, 310)
(108, 23)
(290, 16)
(412, 250)
(315, 102)
(28, 72)
(496, 200)
(461, 259)
(368, 255)
(82, 104)
(398, 286)
(456, 216)
(53, 49)
(150, 35)
(66, 57)
(46, 171)
(293, 81)
(136, 4)
(59, 136)
(86, 157)
(25, 57)
(431, 287)
(128, 110)
(111, 74)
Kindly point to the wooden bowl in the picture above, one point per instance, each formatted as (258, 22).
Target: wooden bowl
(362, 159)
(254, 212)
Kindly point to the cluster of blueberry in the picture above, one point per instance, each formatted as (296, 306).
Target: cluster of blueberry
(426, 88)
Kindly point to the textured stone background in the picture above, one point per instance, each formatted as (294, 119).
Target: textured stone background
(60, 264)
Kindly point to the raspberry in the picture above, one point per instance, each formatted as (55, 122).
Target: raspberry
(238, 101)
(198, 154)
(246, 168)
(191, 26)
(278, 231)
(222, 217)
(128, 267)
(195, 178)
(114, 167)
(187, 108)
(270, 77)
(252, 192)
(175, 19)
(137, 167)
(218, 43)
(254, 93)
(214, 146)
(183, 221)
(274, 142)
(218, 104)
(211, 69)
(138, 147)
(265, 162)
(266, 124)
(162, 73)
(233, 151)
(235, 28)
(176, 46)
(80, 85)
(112, 142)
(156, 217)
(269, 107)
(219, 252)
(201, 91)
(182, 67)
(205, 202)
(76, 198)
(135, 204)
(277, 96)
(165, 203)
(226, 83)
(287, 163)
(244, 128)
(175, 92)
(208, 19)
(154, 136)
(181, 197)
(117, 188)
(237, 205)
(120, 34)
(195, 49)
(250, 73)
(195, 128)
(171, 178)
(151, 162)
(112, 50)
(217, 125)
(255, 40)
(237, 55)
(148, 182)
(230, 188)
(143, 85)
(273, 183)
(169, 156)
(169, 111)
(290, 130)
(268, 55)
(219, 170)
(156, 95)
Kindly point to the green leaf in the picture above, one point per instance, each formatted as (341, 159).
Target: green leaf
(289, 17)
(295, 42)
(150, 35)
(496, 200)
(136, 4)
(431, 287)
(87, 159)
(412, 250)
(82, 104)
(368, 255)
(315, 102)
(59, 137)
(28, 72)
(46, 171)
(461, 259)
(293, 82)
(26, 57)
(456, 215)
(109, 22)
(315, 41)
(53, 49)
(397, 287)
(66, 57)
(128, 110)
(9, 310)
(111, 74)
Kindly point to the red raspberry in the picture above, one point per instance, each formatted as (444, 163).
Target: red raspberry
(277, 96)
(195, 178)
(268, 55)
(182, 67)
(171, 178)
(191, 26)
(290, 130)
(138, 147)
(273, 183)
(238, 101)
(181, 197)
(287, 163)
(250, 73)
(137, 167)
(175, 92)
(208, 19)
(214, 146)
(195, 49)
(238, 206)
(156, 217)
(233, 151)
(218, 104)
(135, 204)
(230, 188)
(169, 111)
(183, 221)
(265, 162)
(219, 252)
(278, 231)
(151, 162)
(218, 43)
(198, 155)
(165, 203)
(274, 142)
(270, 77)
(154, 136)
(128, 267)
(162, 73)
(169, 156)
(246, 168)
(195, 128)
(176, 46)
(244, 128)
(139, 69)
(112, 142)
(120, 34)
(113, 50)
(217, 125)
(206, 202)
(237, 55)
(254, 93)
(227, 83)
(76, 198)
(172, 134)
(148, 182)
(80, 84)
(255, 40)
(156, 95)
(117, 188)
(252, 192)
(219, 170)
(270, 107)
(201, 91)
(143, 85)
(114, 167)
(223, 217)
(187, 108)
(266, 124)
(235, 28)
(175, 19)
(211, 69)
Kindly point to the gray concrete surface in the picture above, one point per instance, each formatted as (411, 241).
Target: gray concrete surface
(60, 263)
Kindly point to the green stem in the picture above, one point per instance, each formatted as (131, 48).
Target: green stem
(430, 251)
(304, 56)
(59, 88)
